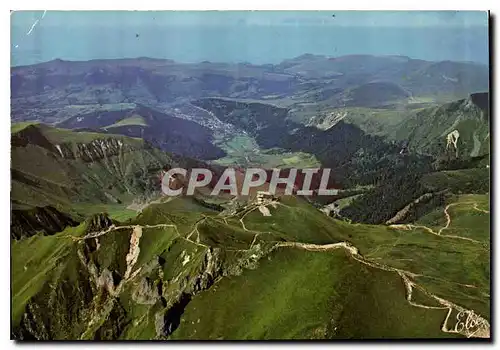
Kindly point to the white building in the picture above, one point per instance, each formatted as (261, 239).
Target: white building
(262, 196)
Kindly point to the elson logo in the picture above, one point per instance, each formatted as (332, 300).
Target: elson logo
(234, 181)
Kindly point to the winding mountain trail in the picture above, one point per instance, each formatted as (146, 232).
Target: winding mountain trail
(136, 229)
(115, 228)
(195, 230)
(468, 323)
(473, 325)
(447, 226)
(481, 210)
(246, 211)
(448, 218)
(321, 248)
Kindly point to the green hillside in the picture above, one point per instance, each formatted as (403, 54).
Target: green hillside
(282, 299)
(78, 172)
(426, 129)
(97, 254)
(198, 274)
(59, 156)
(133, 120)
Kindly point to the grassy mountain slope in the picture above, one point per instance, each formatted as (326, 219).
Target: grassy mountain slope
(183, 269)
(422, 126)
(282, 299)
(204, 275)
(426, 129)
(59, 176)
(56, 166)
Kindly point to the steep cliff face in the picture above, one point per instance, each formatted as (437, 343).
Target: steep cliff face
(55, 166)
(112, 275)
(62, 306)
(47, 220)
(94, 150)
(98, 222)
(176, 274)
(200, 270)
(87, 146)
(112, 272)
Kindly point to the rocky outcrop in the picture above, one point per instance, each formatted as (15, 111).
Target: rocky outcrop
(61, 309)
(213, 266)
(47, 220)
(326, 121)
(98, 271)
(98, 222)
(481, 100)
(94, 150)
(134, 250)
(146, 292)
(167, 322)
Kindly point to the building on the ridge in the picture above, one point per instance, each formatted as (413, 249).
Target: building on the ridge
(262, 196)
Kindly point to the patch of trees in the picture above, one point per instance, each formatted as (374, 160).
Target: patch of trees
(420, 209)
(381, 203)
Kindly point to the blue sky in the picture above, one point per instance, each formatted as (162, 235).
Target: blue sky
(252, 36)
(266, 18)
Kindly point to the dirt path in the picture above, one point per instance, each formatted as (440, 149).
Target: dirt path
(254, 240)
(448, 218)
(114, 228)
(195, 229)
(320, 248)
(135, 229)
(447, 226)
(138, 207)
(468, 323)
(481, 210)
(251, 208)
(473, 325)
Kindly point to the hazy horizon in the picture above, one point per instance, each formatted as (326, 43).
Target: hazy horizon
(255, 37)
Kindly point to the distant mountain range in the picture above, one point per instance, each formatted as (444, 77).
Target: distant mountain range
(354, 114)
(154, 82)
(148, 98)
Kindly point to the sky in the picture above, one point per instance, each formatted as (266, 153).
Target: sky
(247, 36)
